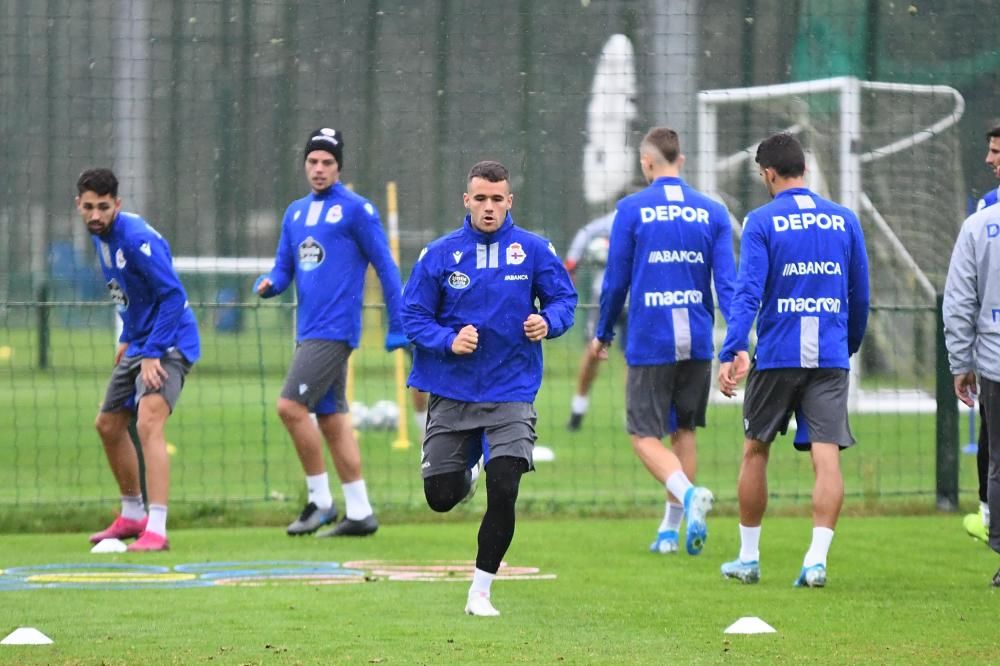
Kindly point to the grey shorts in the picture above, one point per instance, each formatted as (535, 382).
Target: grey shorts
(459, 432)
(126, 387)
(318, 376)
(818, 396)
(651, 390)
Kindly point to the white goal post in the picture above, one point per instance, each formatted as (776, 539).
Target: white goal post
(850, 158)
(848, 126)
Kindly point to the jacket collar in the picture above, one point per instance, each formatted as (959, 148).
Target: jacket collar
(333, 190)
(480, 237)
(792, 191)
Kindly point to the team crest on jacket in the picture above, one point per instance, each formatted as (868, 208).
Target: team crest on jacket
(458, 280)
(515, 254)
(311, 254)
(120, 259)
(335, 214)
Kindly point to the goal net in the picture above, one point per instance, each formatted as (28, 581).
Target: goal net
(888, 151)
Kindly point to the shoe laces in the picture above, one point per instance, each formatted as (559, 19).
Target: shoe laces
(308, 510)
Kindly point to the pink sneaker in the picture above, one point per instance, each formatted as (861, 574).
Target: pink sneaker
(149, 541)
(122, 528)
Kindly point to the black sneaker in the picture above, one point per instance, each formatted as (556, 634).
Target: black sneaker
(575, 420)
(311, 519)
(347, 527)
(996, 579)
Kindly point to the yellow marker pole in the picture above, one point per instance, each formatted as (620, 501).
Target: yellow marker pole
(403, 434)
(349, 388)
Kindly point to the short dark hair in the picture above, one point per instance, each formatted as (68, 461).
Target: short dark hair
(993, 133)
(99, 181)
(491, 171)
(783, 153)
(665, 141)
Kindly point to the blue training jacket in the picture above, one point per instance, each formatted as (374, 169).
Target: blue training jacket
(327, 241)
(136, 262)
(804, 275)
(669, 242)
(490, 281)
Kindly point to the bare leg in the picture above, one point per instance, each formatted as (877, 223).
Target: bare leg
(683, 443)
(343, 445)
(828, 493)
(153, 414)
(120, 451)
(658, 459)
(305, 435)
(588, 372)
(752, 487)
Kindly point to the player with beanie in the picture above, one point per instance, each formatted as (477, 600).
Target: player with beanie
(328, 238)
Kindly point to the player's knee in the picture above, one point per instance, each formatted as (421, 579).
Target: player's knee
(289, 410)
(105, 424)
(444, 491)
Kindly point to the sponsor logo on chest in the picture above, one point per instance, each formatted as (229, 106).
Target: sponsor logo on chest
(311, 254)
(458, 280)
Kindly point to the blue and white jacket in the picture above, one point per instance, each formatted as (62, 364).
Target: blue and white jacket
(669, 242)
(327, 241)
(804, 276)
(151, 301)
(492, 282)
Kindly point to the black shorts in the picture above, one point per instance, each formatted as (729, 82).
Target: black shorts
(318, 376)
(126, 387)
(652, 390)
(818, 397)
(459, 432)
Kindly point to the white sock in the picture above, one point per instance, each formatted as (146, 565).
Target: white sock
(318, 486)
(984, 509)
(132, 507)
(356, 499)
(481, 582)
(421, 420)
(672, 515)
(157, 519)
(678, 484)
(580, 404)
(822, 536)
(749, 544)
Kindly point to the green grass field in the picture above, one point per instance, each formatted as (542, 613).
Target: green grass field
(232, 452)
(901, 591)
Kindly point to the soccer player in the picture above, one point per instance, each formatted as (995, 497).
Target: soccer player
(977, 524)
(328, 238)
(669, 243)
(993, 162)
(596, 230)
(804, 276)
(972, 334)
(470, 311)
(158, 345)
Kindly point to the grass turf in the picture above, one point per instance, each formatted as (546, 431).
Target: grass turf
(901, 590)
